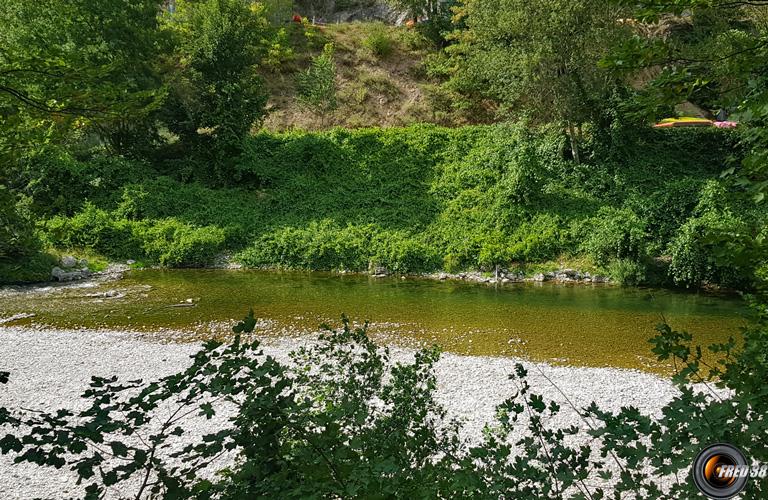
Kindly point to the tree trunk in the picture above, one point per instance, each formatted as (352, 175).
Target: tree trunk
(574, 142)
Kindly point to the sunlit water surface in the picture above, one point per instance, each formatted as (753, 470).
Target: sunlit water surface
(575, 324)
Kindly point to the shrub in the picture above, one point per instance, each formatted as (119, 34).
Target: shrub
(316, 86)
(174, 244)
(326, 246)
(538, 240)
(378, 41)
(402, 253)
(694, 259)
(627, 272)
(98, 230)
(612, 234)
(60, 183)
(17, 235)
(167, 242)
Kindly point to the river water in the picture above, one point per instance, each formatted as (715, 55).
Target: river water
(597, 325)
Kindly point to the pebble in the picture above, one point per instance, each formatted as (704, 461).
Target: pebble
(50, 368)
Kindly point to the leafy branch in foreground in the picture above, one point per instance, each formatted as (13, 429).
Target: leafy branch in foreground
(344, 419)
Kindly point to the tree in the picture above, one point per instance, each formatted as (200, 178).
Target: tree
(317, 85)
(714, 52)
(78, 67)
(538, 58)
(216, 95)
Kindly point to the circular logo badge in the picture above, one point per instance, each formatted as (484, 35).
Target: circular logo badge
(720, 471)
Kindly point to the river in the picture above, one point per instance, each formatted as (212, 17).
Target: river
(583, 325)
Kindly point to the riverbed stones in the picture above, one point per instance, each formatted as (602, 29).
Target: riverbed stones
(380, 272)
(68, 262)
(59, 274)
(50, 368)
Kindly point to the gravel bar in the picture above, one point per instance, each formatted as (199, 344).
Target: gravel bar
(50, 368)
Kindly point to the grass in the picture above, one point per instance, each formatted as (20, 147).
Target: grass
(380, 78)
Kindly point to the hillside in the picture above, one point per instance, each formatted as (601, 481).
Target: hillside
(382, 79)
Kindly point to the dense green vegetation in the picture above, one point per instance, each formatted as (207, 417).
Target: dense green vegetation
(413, 200)
(131, 131)
(177, 180)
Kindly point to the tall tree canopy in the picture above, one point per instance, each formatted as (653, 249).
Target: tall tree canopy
(65, 66)
(538, 58)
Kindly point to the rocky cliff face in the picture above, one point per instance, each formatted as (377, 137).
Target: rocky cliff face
(342, 11)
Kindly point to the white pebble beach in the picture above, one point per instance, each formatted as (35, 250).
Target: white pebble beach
(50, 368)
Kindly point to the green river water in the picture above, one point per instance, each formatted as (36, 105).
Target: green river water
(594, 325)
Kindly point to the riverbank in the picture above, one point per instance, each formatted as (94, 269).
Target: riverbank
(50, 368)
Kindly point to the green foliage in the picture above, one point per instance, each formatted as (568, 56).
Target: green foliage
(537, 59)
(613, 234)
(216, 96)
(538, 240)
(179, 245)
(322, 245)
(626, 272)
(59, 183)
(316, 86)
(21, 256)
(67, 68)
(168, 241)
(438, 27)
(379, 41)
(411, 200)
(17, 236)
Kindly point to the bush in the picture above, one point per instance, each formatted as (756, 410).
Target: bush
(694, 259)
(175, 244)
(316, 87)
(60, 184)
(96, 229)
(627, 272)
(703, 250)
(612, 234)
(167, 242)
(17, 235)
(538, 240)
(378, 41)
(326, 246)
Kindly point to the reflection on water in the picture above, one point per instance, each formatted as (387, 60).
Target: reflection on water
(577, 324)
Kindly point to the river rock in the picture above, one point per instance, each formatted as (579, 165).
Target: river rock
(539, 277)
(380, 272)
(599, 279)
(68, 261)
(59, 274)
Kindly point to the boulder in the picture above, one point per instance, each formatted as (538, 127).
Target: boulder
(380, 271)
(59, 274)
(539, 277)
(68, 261)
